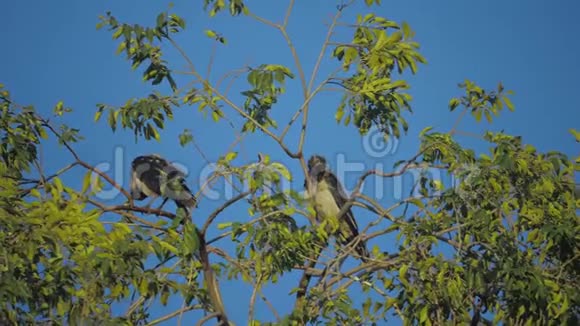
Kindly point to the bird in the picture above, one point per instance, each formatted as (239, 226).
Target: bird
(324, 189)
(153, 176)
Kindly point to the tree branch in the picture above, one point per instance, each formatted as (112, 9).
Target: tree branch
(253, 299)
(207, 318)
(312, 78)
(174, 314)
(81, 162)
(288, 12)
(458, 121)
(211, 282)
(220, 209)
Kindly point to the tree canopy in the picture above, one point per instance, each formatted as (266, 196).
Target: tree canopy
(499, 246)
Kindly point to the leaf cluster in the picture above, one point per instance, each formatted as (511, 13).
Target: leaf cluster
(374, 97)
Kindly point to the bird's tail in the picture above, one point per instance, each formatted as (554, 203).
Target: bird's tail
(180, 193)
(362, 251)
(364, 254)
(187, 203)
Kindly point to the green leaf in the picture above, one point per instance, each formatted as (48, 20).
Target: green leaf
(376, 250)
(424, 314)
(185, 137)
(58, 185)
(210, 33)
(42, 133)
(144, 287)
(366, 307)
(98, 184)
(117, 33)
(283, 170)
(231, 156)
(191, 239)
(339, 114)
(453, 104)
(533, 235)
(98, 114)
(488, 116)
(477, 114)
(86, 181)
(424, 131)
(35, 193)
(390, 302)
(347, 120)
(168, 247)
(403, 271)
(123, 228)
(164, 297)
(575, 133)
(62, 307)
(215, 115)
(508, 103)
(153, 132)
(222, 226)
(160, 19)
(417, 202)
(58, 109)
(406, 30)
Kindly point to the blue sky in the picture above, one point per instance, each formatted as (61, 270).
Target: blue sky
(55, 53)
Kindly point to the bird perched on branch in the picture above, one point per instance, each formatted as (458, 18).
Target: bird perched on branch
(153, 176)
(329, 197)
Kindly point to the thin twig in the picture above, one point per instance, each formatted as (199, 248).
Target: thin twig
(458, 121)
(118, 208)
(282, 29)
(211, 60)
(173, 314)
(288, 12)
(220, 209)
(306, 102)
(323, 50)
(189, 281)
(83, 163)
(124, 211)
(312, 78)
(243, 270)
(253, 299)
(254, 221)
(207, 318)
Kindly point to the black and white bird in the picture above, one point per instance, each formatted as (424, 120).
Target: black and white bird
(324, 189)
(153, 176)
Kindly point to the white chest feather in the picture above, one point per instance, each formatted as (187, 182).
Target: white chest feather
(144, 189)
(324, 202)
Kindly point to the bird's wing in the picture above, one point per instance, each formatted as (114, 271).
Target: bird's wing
(177, 188)
(136, 192)
(349, 228)
(307, 192)
(340, 198)
(146, 172)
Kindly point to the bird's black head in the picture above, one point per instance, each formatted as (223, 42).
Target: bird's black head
(316, 160)
(316, 165)
(149, 159)
(150, 166)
